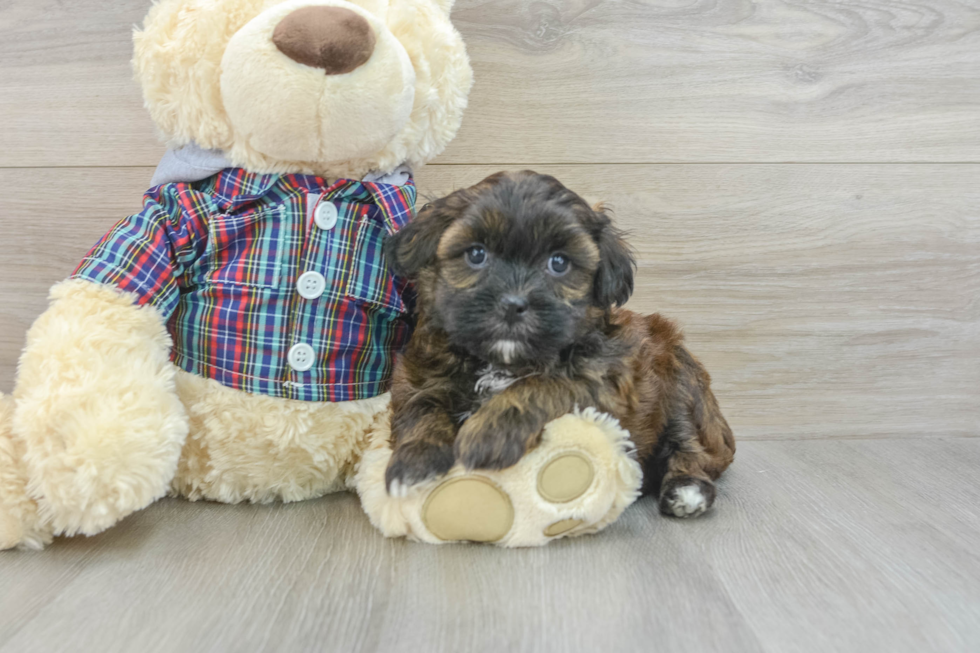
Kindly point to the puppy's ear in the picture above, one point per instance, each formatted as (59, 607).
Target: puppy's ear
(613, 282)
(414, 246)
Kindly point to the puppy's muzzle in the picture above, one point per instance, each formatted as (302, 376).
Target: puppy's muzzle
(515, 308)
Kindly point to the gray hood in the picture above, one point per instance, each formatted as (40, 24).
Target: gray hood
(194, 163)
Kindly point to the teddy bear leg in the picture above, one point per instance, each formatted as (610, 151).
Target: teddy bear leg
(578, 480)
(249, 447)
(20, 524)
(97, 414)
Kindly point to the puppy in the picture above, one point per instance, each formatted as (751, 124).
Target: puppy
(519, 283)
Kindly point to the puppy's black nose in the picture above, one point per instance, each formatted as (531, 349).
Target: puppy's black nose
(515, 307)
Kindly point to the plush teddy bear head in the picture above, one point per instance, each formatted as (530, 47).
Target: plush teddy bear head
(330, 87)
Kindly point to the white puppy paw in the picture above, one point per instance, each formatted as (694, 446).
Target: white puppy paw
(686, 496)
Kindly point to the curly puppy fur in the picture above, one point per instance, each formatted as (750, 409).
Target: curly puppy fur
(519, 284)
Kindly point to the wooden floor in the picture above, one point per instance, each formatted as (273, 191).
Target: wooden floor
(813, 546)
(801, 181)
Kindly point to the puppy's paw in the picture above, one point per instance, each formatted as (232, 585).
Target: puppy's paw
(414, 462)
(686, 496)
(480, 447)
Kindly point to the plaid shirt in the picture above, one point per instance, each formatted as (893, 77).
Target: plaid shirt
(221, 259)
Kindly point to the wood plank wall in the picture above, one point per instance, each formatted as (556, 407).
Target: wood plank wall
(801, 179)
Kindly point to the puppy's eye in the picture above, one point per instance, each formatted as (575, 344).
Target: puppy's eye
(476, 257)
(558, 264)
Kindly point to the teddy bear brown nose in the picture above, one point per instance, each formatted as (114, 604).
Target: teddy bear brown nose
(335, 39)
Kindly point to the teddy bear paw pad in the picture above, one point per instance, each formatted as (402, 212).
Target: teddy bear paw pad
(565, 478)
(469, 508)
(562, 527)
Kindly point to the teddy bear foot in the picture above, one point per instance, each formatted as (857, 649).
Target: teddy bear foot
(22, 528)
(20, 524)
(577, 481)
(475, 509)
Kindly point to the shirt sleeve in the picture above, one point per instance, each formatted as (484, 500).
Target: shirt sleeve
(148, 253)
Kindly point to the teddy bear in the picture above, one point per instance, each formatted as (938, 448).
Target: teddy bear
(233, 341)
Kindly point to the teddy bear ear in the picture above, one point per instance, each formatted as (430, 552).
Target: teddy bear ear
(177, 63)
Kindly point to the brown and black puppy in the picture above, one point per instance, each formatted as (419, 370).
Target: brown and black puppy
(519, 283)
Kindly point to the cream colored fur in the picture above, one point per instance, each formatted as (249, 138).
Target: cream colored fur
(245, 447)
(210, 76)
(105, 425)
(97, 417)
(596, 436)
(101, 423)
(20, 524)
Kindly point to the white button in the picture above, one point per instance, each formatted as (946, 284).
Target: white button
(311, 285)
(325, 216)
(301, 357)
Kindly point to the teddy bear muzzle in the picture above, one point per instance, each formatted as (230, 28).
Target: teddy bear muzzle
(316, 81)
(332, 38)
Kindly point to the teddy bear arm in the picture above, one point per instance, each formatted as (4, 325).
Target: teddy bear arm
(97, 415)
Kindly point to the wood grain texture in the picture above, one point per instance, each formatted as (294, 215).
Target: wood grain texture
(812, 546)
(68, 94)
(827, 301)
(587, 81)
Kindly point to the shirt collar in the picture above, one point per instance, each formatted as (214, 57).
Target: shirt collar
(396, 204)
(394, 193)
